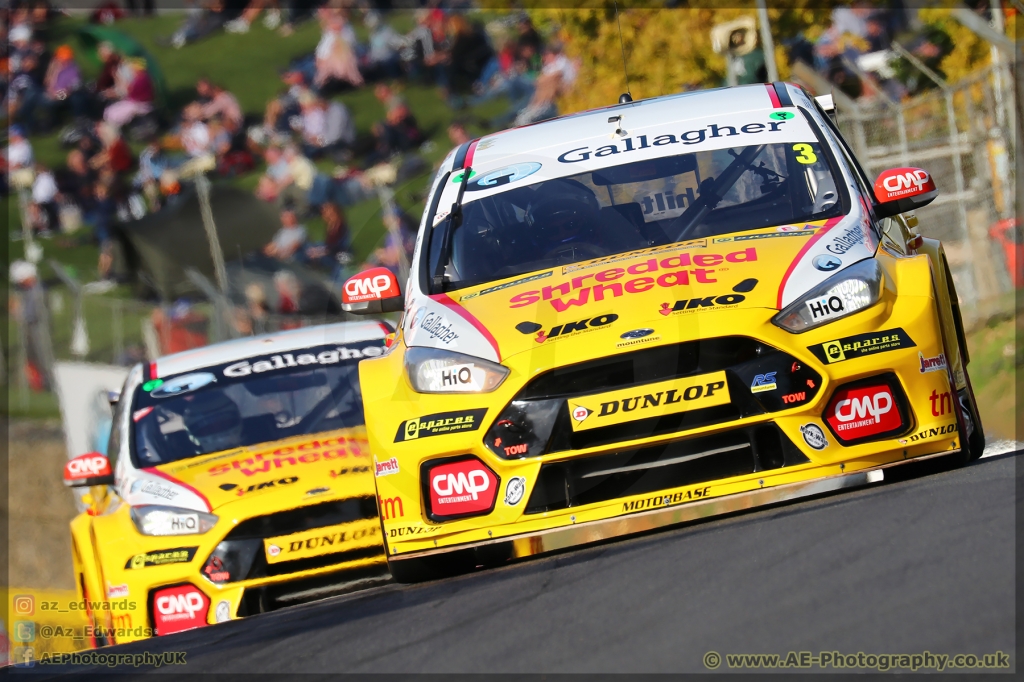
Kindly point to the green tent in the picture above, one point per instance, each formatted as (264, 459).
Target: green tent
(91, 36)
(159, 246)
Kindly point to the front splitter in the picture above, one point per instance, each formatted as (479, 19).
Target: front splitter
(576, 535)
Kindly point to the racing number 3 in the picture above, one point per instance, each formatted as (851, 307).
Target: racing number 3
(806, 153)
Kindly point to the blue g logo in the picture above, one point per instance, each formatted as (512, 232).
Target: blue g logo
(502, 176)
(827, 262)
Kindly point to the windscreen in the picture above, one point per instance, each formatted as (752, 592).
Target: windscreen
(248, 402)
(620, 208)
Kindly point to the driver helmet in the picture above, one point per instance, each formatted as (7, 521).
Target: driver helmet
(213, 420)
(564, 212)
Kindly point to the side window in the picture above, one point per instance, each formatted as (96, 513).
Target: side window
(119, 421)
(851, 160)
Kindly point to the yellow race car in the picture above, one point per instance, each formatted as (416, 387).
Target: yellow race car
(236, 481)
(650, 313)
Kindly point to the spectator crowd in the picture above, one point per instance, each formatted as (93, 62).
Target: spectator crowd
(304, 129)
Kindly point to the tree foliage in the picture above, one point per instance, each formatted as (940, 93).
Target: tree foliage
(667, 50)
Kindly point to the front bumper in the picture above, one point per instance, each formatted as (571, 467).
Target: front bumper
(928, 428)
(355, 560)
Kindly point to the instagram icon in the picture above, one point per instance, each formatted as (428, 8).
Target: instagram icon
(24, 604)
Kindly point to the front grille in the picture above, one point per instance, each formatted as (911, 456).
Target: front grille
(743, 360)
(305, 518)
(272, 597)
(241, 555)
(599, 478)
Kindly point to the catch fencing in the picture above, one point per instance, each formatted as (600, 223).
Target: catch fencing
(963, 135)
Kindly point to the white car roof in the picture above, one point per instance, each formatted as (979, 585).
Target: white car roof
(563, 132)
(277, 342)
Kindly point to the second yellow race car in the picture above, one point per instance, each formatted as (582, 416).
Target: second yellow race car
(651, 313)
(237, 481)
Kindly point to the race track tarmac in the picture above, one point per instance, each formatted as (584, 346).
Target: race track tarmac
(895, 568)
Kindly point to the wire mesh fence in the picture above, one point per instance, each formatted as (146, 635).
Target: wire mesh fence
(963, 136)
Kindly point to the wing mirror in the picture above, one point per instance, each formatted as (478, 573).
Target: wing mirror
(372, 291)
(92, 468)
(899, 190)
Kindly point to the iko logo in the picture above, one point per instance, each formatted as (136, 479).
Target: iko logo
(266, 485)
(826, 262)
(572, 327)
(691, 304)
(763, 382)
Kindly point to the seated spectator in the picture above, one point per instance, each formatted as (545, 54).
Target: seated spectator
(200, 22)
(467, 57)
(115, 155)
(557, 76)
(105, 88)
(25, 92)
(298, 181)
(335, 57)
(63, 82)
(220, 137)
(216, 101)
(194, 137)
(397, 134)
(100, 214)
(152, 164)
(382, 56)
(252, 319)
(241, 24)
(280, 109)
(457, 133)
(138, 98)
(273, 180)
(19, 149)
(336, 249)
(289, 295)
(43, 208)
(76, 181)
(326, 126)
(289, 239)
(417, 53)
(399, 242)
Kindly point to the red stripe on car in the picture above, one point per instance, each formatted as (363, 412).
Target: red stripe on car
(829, 224)
(446, 300)
(773, 95)
(186, 486)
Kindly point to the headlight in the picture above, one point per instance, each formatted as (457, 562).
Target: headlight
(440, 371)
(854, 289)
(159, 520)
